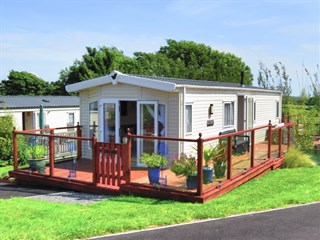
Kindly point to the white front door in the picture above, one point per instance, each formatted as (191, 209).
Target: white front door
(147, 125)
(110, 121)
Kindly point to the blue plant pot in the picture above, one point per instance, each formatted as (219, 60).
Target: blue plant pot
(207, 175)
(192, 182)
(154, 175)
(37, 165)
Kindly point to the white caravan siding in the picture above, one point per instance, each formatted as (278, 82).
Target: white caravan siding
(200, 99)
(131, 93)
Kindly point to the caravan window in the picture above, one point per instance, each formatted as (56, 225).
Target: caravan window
(188, 118)
(228, 114)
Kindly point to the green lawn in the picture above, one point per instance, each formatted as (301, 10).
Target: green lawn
(4, 171)
(23, 218)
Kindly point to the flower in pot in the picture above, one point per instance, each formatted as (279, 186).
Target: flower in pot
(207, 170)
(37, 160)
(186, 166)
(154, 162)
(219, 160)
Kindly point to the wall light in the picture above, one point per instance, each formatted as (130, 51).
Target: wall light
(211, 109)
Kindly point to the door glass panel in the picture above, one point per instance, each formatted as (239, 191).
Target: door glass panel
(147, 127)
(109, 119)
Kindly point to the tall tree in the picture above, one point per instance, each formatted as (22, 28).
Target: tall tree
(183, 59)
(24, 83)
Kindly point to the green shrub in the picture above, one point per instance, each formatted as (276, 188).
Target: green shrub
(295, 158)
(6, 127)
(153, 160)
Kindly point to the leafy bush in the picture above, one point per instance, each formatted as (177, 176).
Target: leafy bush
(154, 160)
(6, 127)
(184, 165)
(295, 158)
(23, 153)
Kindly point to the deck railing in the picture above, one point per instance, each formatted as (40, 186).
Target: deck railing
(274, 139)
(112, 166)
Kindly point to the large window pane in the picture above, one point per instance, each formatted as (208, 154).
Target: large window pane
(228, 114)
(93, 118)
(188, 118)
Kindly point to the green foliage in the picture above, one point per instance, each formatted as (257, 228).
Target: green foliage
(36, 152)
(184, 165)
(24, 83)
(295, 158)
(6, 127)
(179, 59)
(208, 152)
(26, 218)
(23, 150)
(153, 160)
(280, 80)
(307, 119)
(219, 154)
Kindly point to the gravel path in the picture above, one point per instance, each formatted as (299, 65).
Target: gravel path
(9, 190)
(71, 197)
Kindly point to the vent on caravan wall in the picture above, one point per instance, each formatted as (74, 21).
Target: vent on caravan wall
(242, 80)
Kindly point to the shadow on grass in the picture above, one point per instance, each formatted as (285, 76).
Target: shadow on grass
(140, 200)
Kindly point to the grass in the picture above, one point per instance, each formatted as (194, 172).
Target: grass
(4, 171)
(23, 218)
(296, 158)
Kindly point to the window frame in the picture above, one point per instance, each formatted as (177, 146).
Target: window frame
(228, 123)
(188, 124)
(277, 109)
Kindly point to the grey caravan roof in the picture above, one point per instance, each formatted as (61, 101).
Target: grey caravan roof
(20, 102)
(192, 82)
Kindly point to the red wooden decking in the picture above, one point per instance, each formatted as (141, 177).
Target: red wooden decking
(110, 171)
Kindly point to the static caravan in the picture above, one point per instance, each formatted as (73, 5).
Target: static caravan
(58, 111)
(179, 108)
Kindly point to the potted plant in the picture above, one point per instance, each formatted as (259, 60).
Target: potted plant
(186, 166)
(207, 170)
(37, 160)
(219, 160)
(154, 162)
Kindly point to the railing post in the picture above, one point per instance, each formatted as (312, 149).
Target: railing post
(15, 149)
(269, 139)
(253, 132)
(229, 166)
(79, 145)
(199, 166)
(94, 160)
(280, 143)
(128, 160)
(51, 152)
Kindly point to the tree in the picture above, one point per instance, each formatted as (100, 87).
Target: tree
(94, 63)
(183, 59)
(24, 83)
(281, 81)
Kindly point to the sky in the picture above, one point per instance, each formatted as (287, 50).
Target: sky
(44, 37)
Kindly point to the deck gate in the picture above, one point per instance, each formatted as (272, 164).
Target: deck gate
(110, 163)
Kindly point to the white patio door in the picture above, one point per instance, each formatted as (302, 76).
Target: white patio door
(147, 125)
(109, 121)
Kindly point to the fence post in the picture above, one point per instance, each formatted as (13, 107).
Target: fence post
(229, 147)
(128, 160)
(253, 132)
(280, 143)
(15, 149)
(79, 145)
(269, 139)
(94, 160)
(51, 152)
(199, 166)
